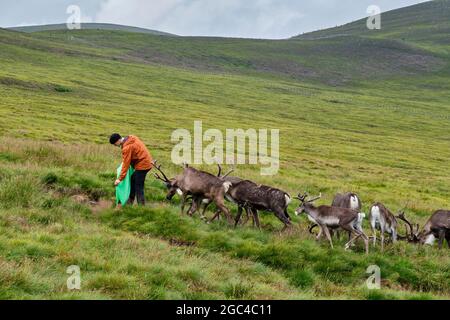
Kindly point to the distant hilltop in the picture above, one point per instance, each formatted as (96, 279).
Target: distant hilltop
(91, 26)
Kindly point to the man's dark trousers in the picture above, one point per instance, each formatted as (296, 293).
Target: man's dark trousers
(137, 187)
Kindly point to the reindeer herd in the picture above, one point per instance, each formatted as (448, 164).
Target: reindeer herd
(200, 188)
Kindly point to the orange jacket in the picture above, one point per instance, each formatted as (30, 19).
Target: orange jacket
(135, 153)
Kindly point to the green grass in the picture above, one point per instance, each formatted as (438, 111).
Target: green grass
(154, 253)
(43, 231)
(349, 120)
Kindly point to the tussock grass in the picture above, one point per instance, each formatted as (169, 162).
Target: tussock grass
(43, 231)
(154, 253)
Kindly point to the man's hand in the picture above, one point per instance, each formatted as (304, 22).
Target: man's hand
(116, 183)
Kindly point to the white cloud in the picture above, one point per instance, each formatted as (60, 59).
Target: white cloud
(135, 12)
(258, 18)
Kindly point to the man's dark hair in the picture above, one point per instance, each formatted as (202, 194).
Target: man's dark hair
(114, 138)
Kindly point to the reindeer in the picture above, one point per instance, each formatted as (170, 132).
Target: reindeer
(197, 184)
(382, 219)
(253, 197)
(248, 209)
(437, 227)
(333, 217)
(197, 201)
(347, 200)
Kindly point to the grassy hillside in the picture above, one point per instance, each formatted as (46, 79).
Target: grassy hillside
(334, 62)
(90, 26)
(371, 120)
(424, 22)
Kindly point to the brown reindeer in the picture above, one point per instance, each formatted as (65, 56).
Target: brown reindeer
(249, 210)
(333, 217)
(437, 227)
(381, 218)
(197, 184)
(253, 197)
(348, 200)
(198, 201)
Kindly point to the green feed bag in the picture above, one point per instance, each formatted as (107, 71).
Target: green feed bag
(124, 187)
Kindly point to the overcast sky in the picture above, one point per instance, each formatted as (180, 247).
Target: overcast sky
(272, 19)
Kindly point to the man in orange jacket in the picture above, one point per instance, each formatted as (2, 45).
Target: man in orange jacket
(135, 153)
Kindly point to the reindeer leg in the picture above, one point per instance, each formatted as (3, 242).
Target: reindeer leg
(220, 204)
(319, 235)
(348, 244)
(189, 209)
(338, 235)
(238, 217)
(332, 232)
(366, 241)
(375, 238)
(250, 214)
(447, 237)
(203, 216)
(327, 234)
(256, 218)
(382, 238)
(353, 231)
(374, 232)
(441, 237)
(216, 216)
(394, 234)
(287, 214)
(280, 215)
(183, 203)
(358, 234)
(198, 206)
(194, 206)
(247, 217)
(349, 237)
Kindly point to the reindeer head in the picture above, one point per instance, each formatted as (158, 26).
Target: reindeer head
(171, 184)
(305, 203)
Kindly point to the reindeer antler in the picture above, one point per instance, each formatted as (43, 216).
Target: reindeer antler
(157, 176)
(228, 173)
(219, 174)
(316, 198)
(411, 236)
(302, 197)
(220, 170)
(416, 234)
